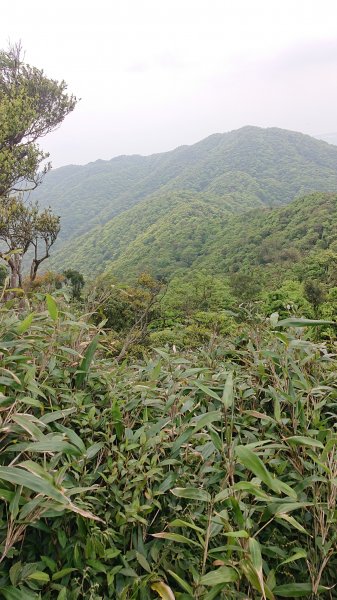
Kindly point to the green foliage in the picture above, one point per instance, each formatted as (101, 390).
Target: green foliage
(119, 213)
(288, 299)
(40, 459)
(76, 281)
(212, 472)
(23, 227)
(31, 105)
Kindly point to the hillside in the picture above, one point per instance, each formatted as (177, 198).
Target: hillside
(300, 238)
(241, 169)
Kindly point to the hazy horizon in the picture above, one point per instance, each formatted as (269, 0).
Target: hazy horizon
(154, 76)
(323, 137)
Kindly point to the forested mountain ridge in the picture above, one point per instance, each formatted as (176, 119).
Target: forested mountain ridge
(244, 168)
(174, 227)
(299, 239)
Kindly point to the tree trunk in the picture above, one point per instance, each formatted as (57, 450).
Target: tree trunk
(15, 266)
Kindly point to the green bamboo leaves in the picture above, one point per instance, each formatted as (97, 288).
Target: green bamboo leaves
(253, 463)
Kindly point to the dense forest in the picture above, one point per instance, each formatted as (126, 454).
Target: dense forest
(168, 382)
(242, 169)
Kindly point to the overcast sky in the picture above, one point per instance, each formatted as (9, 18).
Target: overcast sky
(156, 74)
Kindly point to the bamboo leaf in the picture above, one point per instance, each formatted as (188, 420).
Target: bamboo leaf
(181, 523)
(256, 559)
(52, 307)
(86, 362)
(296, 590)
(192, 494)
(228, 393)
(183, 584)
(221, 575)
(291, 322)
(25, 324)
(143, 562)
(292, 522)
(163, 590)
(174, 537)
(206, 419)
(18, 476)
(253, 463)
(296, 556)
(302, 440)
(207, 390)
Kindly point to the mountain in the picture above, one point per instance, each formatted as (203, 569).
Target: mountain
(117, 214)
(300, 239)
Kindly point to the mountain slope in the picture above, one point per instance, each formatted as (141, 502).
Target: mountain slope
(267, 165)
(299, 238)
(125, 214)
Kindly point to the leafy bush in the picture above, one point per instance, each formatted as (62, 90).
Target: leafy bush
(200, 474)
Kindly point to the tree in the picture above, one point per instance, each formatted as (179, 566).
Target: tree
(76, 281)
(314, 293)
(23, 227)
(31, 105)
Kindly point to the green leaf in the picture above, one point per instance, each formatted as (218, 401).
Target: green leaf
(29, 424)
(192, 494)
(56, 415)
(143, 562)
(12, 593)
(86, 362)
(236, 534)
(251, 575)
(304, 441)
(292, 522)
(256, 559)
(174, 537)
(201, 421)
(295, 590)
(52, 307)
(39, 576)
(181, 523)
(183, 584)
(228, 393)
(18, 476)
(221, 575)
(63, 573)
(296, 556)
(117, 420)
(207, 390)
(303, 323)
(25, 324)
(253, 463)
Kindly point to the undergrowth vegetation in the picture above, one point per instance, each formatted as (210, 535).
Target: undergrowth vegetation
(208, 473)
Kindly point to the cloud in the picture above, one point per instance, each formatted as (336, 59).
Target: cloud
(162, 61)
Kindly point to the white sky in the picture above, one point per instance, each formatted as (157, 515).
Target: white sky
(155, 74)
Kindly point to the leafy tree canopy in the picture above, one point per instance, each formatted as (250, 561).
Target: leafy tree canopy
(31, 105)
